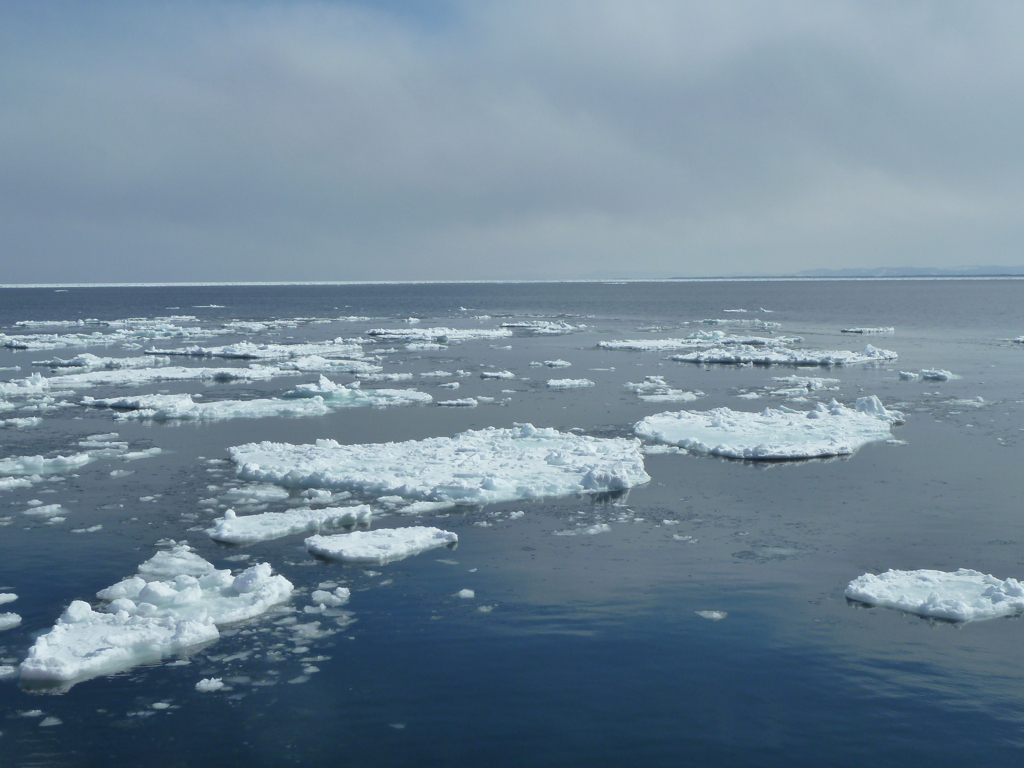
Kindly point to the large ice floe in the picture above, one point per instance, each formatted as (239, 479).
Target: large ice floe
(250, 529)
(774, 434)
(37, 385)
(93, 362)
(743, 354)
(352, 395)
(379, 547)
(473, 467)
(963, 595)
(184, 408)
(540, 327)
(699, 339)
(247, 350)
(437, 335)
(177, 600)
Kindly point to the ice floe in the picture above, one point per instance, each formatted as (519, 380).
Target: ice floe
(352, 395)
(209, 684)
(963, 595)
(699, 339)
(247, 350)
(381, 546)
(146, 618)
(437, 335)
(249, 529)
(541, 327)
(742, 354)
(655, 389)
(464, 402)
(886, 329)
(473, 467)
(569, 383)
(184, 408)
(9, 621)
(774, 434)
(36, 384)
(497, 375)
(94, 362)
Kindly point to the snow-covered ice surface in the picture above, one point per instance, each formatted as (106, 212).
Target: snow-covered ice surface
(182, 407)
(654, 389)
(248, 529)
(473, 467)
(775, 433)
(741, 354)
(381, 546)
(700, 339)
(569, 383)
(962, 595)
(145, 619)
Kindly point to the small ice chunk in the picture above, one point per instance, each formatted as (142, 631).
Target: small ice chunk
(466, 594)
(9, 621)
(963, 595)
(497, 375)
(332, 599)
(7, 597)
(569, 383)
(379, 547)
(209, 684)
(712, 615)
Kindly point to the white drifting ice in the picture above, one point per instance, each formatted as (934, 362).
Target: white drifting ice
(782, 356)
(569, 383)
(699, 339)
(474, 467)
(437, 335)
(94, 362)
(232, 529)
(247, 350)
(352, 395)
(379, 547)
(774, 434)
(147, 619)
(18, 466)
(9, 621)
(964, 595)
(654, 389)
(183, 408)
(886, 329)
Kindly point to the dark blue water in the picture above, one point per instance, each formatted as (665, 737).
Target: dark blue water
(592, 653)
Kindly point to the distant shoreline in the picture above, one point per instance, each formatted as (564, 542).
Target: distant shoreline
(604, 280)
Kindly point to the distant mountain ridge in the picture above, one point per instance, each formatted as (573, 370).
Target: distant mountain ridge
(914, 272)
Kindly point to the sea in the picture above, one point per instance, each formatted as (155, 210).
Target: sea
(695, 620)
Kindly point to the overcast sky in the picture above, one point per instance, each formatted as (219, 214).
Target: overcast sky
(293, 140)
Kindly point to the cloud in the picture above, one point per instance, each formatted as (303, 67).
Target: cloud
(332, 140)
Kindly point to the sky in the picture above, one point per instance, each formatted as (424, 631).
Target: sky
(283, 140)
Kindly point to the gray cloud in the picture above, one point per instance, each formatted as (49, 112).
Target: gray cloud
(301, 140)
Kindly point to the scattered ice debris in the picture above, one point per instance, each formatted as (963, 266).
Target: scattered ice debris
(319, 364)
(209, 684)
(147, 619)
(887, 329)
(232, 529)
(8, 672)
(436, 335)
(654, 389)
(257, 493)
(90, 529)
(497, 375)
(476, 466)
(588, 531)
(964, 595)
(783, 356)
(9, 621)
(466, 594)
(799, 386)
(569, 383)
(10, 483)
(464, 402)
(381, 546)
(712, 615)
(774, 434)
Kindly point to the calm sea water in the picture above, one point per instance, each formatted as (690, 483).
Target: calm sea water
(590, 651)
